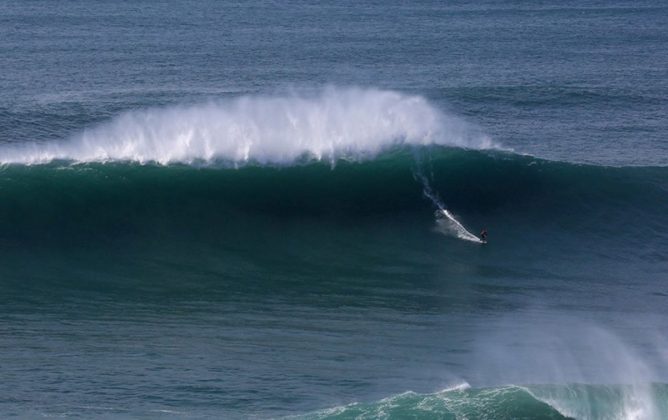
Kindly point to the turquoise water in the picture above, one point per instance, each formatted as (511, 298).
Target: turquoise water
(229, 210)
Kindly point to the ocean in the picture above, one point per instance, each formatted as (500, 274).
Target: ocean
(272, 210)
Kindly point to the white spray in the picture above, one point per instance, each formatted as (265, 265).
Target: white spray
(334, 123)
(547, 347)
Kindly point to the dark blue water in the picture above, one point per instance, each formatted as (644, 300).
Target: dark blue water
(215, 209)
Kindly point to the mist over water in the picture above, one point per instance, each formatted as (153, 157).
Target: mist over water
(569, 369)
(603, 371)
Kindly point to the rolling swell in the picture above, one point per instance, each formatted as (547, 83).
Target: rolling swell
(457, 403)
(565, 401)
(117, 198)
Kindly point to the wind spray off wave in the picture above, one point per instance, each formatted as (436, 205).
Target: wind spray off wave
(354, 124)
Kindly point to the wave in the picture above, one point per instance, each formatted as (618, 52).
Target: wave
(568, 401)
(450, 226)
(621, 209)
(485, 183)
(335, 123)
(461, 402)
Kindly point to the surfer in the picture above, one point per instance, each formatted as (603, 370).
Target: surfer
(483, 235)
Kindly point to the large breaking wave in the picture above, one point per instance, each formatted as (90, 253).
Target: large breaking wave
(331, 124)
(492, 188)
(337, 153)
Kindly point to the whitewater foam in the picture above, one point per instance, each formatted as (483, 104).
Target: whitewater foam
(446, 222)
(332, 124)
(449, 225)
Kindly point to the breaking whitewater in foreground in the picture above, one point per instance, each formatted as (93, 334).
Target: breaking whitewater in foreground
(513, 402)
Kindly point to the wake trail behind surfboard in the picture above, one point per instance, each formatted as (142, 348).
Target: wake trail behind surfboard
(447, 223)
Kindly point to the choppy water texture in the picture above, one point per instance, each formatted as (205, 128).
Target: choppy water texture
(233, 210)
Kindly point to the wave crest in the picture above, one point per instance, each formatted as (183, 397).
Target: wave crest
(333, 124)
(460, 402)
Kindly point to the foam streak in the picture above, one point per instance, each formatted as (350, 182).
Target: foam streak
(447, 223)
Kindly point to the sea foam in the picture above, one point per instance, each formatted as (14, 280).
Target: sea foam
(334, 123)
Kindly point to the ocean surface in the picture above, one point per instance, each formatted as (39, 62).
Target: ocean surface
(217, 209)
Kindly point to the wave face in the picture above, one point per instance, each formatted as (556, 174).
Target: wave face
(96, 198)
(332, 124)
(506, 402)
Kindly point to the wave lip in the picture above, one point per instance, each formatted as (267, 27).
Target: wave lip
(333, 124)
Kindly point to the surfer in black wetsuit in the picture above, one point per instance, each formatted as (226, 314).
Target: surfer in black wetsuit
(483, 235)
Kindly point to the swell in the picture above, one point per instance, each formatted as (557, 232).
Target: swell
(566, 401)
(61, 198)
(559, 96)
(456, 403)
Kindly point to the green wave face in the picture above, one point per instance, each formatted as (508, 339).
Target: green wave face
(46, 201)
(266, 227)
